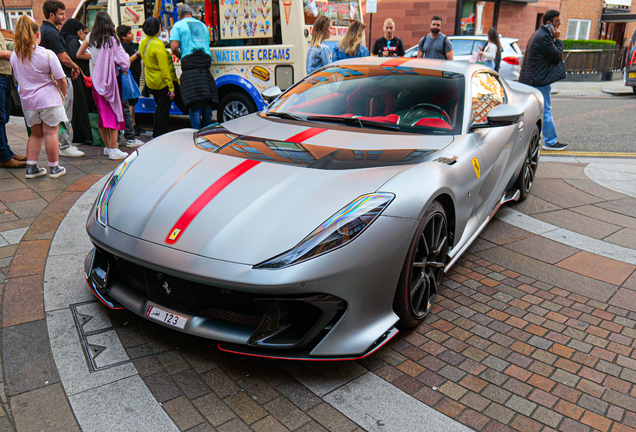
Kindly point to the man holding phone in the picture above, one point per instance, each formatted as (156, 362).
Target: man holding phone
(542, 66)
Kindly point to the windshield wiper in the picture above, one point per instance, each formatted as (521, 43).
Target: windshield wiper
(283, 115)
(354, 121)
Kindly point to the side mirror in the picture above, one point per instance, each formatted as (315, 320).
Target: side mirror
(505, 115)
(271, 93)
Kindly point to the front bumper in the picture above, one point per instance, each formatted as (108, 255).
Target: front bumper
(343, 311)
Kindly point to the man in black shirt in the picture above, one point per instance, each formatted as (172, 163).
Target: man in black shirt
(55, 14)
(388, 45)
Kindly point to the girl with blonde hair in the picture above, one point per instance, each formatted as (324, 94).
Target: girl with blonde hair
(42, 87)
(319, 53)
(351, 45)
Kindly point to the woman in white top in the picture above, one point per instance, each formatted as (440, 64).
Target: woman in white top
(319, 53)
(492, 48)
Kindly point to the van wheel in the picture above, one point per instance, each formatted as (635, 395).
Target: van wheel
(235, 105)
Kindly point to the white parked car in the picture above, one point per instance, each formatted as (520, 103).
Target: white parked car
(464, 46)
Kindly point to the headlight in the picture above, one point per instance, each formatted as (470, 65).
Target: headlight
(335, 232)
(104, 196)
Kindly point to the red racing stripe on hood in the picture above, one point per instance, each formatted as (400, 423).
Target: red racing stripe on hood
(207, 196)
(305, 135)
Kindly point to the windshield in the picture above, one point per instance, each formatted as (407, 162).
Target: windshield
(404, 99)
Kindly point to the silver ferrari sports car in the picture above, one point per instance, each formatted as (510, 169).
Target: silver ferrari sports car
(318, 227)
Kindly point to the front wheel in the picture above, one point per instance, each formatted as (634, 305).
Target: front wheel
(235, 105)
(423, 269)
(530, 164)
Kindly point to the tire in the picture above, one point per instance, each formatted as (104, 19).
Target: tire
(634, 89)
(235, 105)
(530, 164)
(423, 269)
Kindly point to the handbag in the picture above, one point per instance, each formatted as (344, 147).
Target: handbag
(88, 81)
(129, 88)
(57, 86)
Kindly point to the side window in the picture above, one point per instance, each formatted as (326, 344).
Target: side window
(487, 93)
(462, 46)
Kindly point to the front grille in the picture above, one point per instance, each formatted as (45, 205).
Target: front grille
(191, 297)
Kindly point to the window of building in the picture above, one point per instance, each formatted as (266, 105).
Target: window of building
(14, 15)
(579, 29)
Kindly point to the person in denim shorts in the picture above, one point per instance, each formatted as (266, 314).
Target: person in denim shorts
(42, 87)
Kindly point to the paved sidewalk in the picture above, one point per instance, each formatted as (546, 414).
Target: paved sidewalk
(596, 88)
(534, 331)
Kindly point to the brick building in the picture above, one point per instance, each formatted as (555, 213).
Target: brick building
(14, 9)
(582, 19)
(39, 15)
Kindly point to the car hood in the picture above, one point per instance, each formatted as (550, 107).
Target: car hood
(239, 205)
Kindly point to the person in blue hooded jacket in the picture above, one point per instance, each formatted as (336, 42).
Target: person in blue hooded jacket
(319, 53)
(351, 45)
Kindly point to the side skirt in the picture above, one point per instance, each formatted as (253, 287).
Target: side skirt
(511, 195)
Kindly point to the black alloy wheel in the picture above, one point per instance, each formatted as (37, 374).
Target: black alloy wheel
(423, 269)
(530, 164)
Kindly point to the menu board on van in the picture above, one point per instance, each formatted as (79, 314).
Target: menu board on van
(341, 12)
(244, 19)
(132, 13)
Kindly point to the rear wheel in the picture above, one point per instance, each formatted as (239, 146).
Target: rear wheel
(423, 269)
(530, 164)
(235, 105)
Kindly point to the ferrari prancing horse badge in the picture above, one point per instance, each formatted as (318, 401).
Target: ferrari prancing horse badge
(476, 166)
(176, 232)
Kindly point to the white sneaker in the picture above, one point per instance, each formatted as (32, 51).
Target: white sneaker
(134, 143)
(114, 154)
(71, 151)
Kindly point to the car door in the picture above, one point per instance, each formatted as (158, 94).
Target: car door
(494, 143)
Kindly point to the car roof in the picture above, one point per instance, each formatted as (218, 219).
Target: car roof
(463, 68)
(484, 37)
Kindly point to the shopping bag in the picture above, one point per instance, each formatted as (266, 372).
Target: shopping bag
(97, 137)
(129, 88)
(475, 58)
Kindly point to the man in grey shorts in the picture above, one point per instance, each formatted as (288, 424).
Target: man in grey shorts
(435, 45)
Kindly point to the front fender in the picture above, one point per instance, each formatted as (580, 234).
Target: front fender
(241, 82)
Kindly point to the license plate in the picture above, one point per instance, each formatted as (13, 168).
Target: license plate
(165, 317)
(632, 75)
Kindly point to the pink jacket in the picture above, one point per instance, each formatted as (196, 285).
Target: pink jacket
(105, 75)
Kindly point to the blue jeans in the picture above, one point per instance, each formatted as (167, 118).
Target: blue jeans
(200, 117)
(549, 130)
(490, 64)
(5, 109)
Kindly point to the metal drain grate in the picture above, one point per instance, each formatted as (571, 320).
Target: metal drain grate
(101, 342)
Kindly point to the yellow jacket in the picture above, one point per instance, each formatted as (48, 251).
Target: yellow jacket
(158, 67)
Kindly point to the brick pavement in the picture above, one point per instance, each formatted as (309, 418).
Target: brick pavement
(527, 334)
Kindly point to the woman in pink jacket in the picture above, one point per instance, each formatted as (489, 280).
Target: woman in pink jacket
(42, 87)
(107, 55)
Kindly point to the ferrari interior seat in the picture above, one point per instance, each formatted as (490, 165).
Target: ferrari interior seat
(448, 100)
(370, 101)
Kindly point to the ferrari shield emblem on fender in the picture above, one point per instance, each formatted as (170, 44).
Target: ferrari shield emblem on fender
(476, 166)
(176, 231)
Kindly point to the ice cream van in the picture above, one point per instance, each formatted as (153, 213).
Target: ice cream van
(255, 44)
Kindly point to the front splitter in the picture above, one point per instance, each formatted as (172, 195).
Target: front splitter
(303, 356)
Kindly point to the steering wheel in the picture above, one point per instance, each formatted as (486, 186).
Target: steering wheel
(431, 107)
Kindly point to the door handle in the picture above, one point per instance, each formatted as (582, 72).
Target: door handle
(520, 127)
